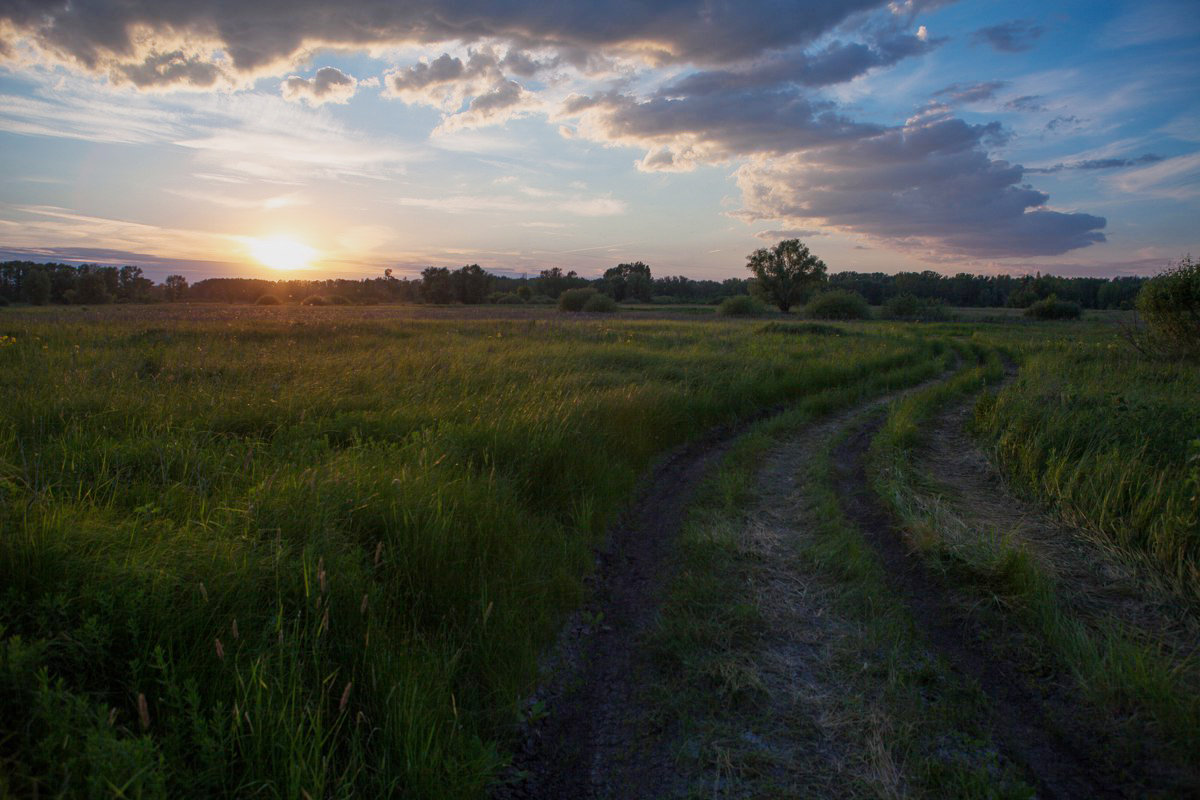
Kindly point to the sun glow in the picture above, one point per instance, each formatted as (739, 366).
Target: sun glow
(280, 252)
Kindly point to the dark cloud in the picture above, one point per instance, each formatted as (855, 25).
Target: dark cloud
(1010, 37)
(928, 186)
(329, 85)
(176, 68)
(835, 63)
(971, 92)
(1028, 102)
(680, 132)
(1063, 123)
(1098, 163)
(268, 35)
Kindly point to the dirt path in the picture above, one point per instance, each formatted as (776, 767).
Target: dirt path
(804, 734)
(595, 740)
(1038, 720)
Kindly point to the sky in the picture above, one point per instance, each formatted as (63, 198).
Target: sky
(310, 139)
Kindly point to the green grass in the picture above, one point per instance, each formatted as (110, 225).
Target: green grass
(321, 549)
(1112, 441)
(1129, 679)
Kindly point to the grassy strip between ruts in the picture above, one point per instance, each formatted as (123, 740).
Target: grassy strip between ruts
(281, 556)
(1130, 681)
(877, 715)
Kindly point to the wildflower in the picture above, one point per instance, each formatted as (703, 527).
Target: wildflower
(345, 697)
(220, 649)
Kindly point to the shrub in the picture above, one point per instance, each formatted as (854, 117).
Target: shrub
(741, 305)
(3, 301)
(801, 329)
(1169, 303)
(314, 300)
(524, 292)
(600, 304)
(509, 299)
(1053, 308)
(267, 300)
(542, 300)
(574, 299)
(910, 307)
(338, 300)
(838, 304)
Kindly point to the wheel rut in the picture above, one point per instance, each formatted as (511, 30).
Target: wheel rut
(1034, 719)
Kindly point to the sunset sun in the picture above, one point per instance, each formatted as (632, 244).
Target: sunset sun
(281, 252)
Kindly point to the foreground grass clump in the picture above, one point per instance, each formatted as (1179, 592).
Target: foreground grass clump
(317, 551)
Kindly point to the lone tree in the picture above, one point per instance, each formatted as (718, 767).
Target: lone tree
(786, 272)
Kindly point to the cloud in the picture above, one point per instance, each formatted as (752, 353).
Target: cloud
(1098, 163)
(329, 85)
(1028, 102)
(971, 92)
(928, 186)
(791, 233)
(837, 62)
(680, 132)
(1064, 124)
(1177, 178)
(1009, 37)
(170, 43)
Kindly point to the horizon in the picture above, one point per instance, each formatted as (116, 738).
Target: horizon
(218, 142)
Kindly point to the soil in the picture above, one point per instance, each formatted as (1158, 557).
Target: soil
(594, 739)
(1038, 721)
(590, 734)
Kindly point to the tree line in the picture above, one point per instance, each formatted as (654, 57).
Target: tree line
(92, 284)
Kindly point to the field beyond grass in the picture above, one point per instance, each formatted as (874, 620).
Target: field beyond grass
(316, 552)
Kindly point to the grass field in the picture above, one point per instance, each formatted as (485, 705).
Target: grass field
(317, 552)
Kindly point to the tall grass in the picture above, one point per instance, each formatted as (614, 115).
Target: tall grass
(1106, 436)
(303, 553)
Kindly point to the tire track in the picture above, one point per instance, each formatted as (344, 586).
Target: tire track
(1031, 720)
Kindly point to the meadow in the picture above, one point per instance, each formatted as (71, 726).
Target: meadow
(317, 552)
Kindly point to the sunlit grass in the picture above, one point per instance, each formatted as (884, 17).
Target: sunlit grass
(325, 551)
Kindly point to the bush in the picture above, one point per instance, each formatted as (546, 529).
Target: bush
(574, 299)
(1169, 304)
(600, 304)
(542, 300)
(801, 329)
(838, 304)
(3, 301)
(741, 305)
(524, 292)
(338, 300)
(267, 300)
(509, 299)
(314, 300)
(1053, 308)
(910, 307)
